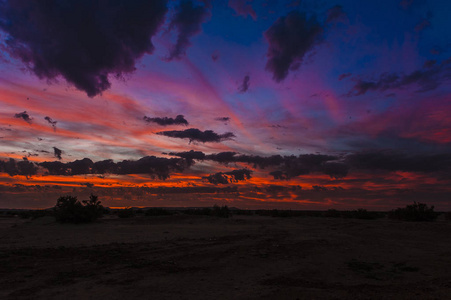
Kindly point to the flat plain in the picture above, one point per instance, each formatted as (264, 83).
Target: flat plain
(242, 257)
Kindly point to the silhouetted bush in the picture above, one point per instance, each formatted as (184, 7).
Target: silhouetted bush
(222, 212)
(126, 213)
(448, 216)
(415, 212)
(95, 209)
(69, 210)
(155, 211)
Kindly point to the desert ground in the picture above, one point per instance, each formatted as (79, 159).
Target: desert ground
(242, 257)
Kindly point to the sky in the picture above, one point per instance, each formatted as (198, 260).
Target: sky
(252, 104)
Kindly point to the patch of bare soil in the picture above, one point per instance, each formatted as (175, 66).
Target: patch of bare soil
(243, 257)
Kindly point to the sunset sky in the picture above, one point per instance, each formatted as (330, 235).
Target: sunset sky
(251, 104)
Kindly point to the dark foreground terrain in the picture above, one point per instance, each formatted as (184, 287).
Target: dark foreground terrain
(243, 257)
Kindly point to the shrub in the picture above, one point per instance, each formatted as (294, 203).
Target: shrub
(414, 212)
(69, 210)
(94, 207)
(126, 213)
(448, 216)
(222, 212)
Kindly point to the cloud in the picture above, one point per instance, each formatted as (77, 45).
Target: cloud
(196, 135)
(24, 116)
(57, 152)
(335, 14)
(187, 22)
(243, 8)
(399, 161)
(223, 119)
(305, 164)
(255, 160)
(189, 155)
(405, 4)
(156, 167)
(428, 78)
(423, 24)
(290, 38)
(229, 177)
(245, 85)
(51, 122)
(287, 166)
(343, 76)
(165, 121)
(83, 41)
(24, 167)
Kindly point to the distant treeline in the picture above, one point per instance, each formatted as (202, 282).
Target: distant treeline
(69, 209)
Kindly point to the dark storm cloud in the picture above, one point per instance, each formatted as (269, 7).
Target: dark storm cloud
(287, 166)
(255, 160)
(105, 166)
(428, 78)
(51, 122)
(196, 135)
(161, 190)
(398, 161)
(233, 157)
(244, 86)
(189, 155)
(305, 164)
(290, 38)
(229, 177)
(57, 152)
(24, 116)
(156, 167)
(83, 41)
(186, 21)
(335, 169)
(165, 121)
(222, 157)
(23, 167)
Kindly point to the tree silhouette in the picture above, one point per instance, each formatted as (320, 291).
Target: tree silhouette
(69, 210)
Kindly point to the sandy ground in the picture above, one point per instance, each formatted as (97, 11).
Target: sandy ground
(243, 257)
